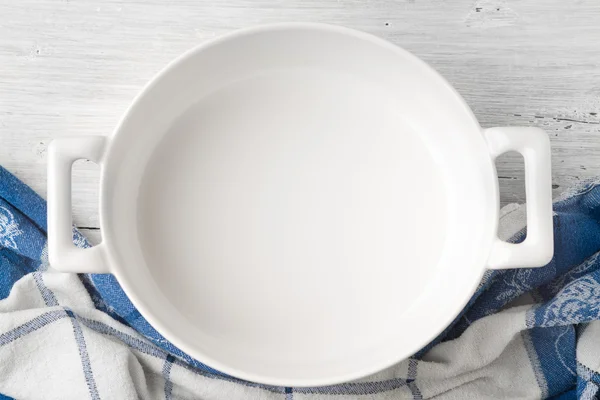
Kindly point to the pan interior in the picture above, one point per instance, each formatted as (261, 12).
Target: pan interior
(295, 213)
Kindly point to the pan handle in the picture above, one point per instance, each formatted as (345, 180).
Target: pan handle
(538, 248)
(62, 253)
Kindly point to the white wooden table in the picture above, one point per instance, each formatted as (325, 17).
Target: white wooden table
(71, 67)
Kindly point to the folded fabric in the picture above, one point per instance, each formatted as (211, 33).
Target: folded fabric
(525, 334)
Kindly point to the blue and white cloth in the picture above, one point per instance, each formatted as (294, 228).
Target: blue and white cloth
(526, 333)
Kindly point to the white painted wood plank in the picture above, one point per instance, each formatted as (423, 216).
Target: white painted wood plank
(72, 67)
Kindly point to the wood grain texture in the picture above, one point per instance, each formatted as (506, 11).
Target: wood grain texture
(72, 67)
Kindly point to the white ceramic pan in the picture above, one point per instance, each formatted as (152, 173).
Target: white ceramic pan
(299, 204)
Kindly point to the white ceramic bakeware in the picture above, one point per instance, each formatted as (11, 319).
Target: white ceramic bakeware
(299, 204)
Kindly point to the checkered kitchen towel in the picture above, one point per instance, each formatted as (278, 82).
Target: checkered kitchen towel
(526, 334)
